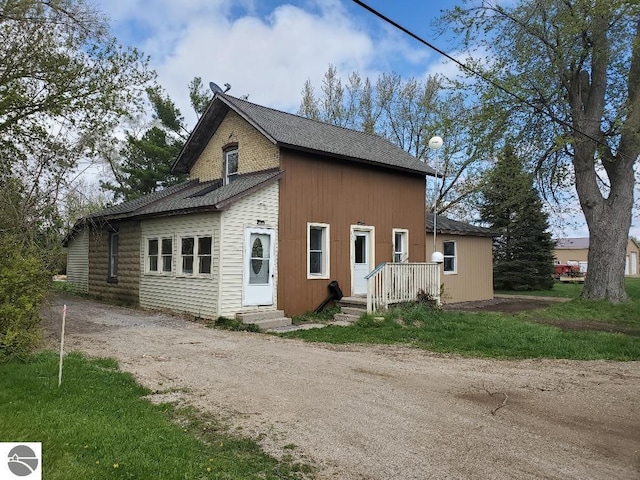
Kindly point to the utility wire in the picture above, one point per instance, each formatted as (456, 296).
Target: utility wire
(479, 74)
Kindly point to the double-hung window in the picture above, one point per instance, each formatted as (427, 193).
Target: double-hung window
(317, 250)
(204, 255)
(159, 255)
(230, 165)
(450, 263)
(196, 255)
(400, 245)
(113, 257)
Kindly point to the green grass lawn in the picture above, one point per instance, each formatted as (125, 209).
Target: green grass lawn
(522, 335)
(98, 426)
(563, 290)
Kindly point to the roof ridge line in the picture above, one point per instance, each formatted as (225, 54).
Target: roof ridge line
(321, 122)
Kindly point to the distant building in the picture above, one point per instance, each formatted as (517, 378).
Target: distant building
(575, 251)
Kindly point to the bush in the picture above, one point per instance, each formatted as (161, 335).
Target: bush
(24, 283)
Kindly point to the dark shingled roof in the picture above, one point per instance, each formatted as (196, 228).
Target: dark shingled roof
(189, 196)
(446, 226)
(298, 133)
(572, 243)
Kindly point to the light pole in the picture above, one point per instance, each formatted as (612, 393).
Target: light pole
(435, 143)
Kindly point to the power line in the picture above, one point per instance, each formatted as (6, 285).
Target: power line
(478, 74)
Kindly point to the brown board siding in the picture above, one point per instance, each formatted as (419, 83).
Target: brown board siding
(473, 279)
(127, 287)
(340, 193)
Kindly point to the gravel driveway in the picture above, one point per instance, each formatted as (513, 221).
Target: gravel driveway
(381, 412)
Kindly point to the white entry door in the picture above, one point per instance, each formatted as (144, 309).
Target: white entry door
(362, 260)
(634, 263)
(258, 266)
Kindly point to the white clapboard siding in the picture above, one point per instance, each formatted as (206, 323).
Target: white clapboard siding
(261, 206)
(78, 260)
(194, 295)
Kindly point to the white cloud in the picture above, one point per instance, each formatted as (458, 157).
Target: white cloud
(265, 53)
(268, 59)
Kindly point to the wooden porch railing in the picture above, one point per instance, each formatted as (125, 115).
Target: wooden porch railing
(391, 283)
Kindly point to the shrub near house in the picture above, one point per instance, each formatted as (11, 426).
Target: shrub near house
(24, 283)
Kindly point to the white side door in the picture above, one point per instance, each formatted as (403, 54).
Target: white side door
(259, 266)
(634, 263)
(361, 259)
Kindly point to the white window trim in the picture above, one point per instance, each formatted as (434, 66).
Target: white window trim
(454, 256)
(227, 176)
(160, 270)
(327, 252)
(195, 274)
(405, 246)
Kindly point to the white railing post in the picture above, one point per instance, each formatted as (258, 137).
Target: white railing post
(437, 275)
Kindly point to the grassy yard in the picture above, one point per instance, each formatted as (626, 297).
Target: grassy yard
(98, 426)
(563, 290)
(523, 335)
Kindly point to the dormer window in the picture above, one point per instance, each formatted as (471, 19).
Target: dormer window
(230, 165)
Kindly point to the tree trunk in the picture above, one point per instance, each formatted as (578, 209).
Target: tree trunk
(608, 218)
(608, 240)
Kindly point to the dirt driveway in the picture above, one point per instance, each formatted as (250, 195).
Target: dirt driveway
(382, 412)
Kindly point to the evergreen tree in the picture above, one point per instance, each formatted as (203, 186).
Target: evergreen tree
(144, 163)
(523, 249)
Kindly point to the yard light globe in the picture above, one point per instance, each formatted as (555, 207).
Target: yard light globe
(435, 143)
(437, 257)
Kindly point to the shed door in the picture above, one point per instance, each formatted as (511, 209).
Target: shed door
(258, 266)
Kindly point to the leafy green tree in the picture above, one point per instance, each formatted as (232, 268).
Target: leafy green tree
(407, 113)
(146, 165)
(574, 68)
(65, 83)
(143, 164)
(511, 206)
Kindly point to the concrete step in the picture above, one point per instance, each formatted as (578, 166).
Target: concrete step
(270, 323)
(357, 302)
(345, 317)
(353, 310)
(252, 317)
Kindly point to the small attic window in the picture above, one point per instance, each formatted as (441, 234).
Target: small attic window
(230, 164)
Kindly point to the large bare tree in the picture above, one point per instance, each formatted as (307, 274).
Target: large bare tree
(564, 85)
